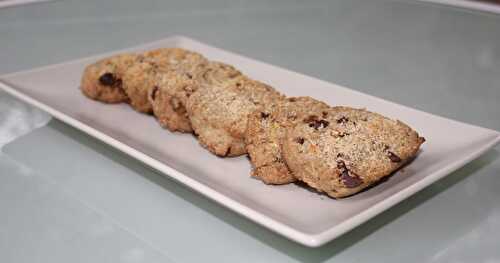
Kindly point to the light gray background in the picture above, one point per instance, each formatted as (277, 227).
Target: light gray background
(66, 197)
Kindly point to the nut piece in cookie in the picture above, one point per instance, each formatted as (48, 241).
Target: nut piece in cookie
(266, 130)
(175, 87)
(141, 78)
(102, 80)
(219, 112)
(347, 150)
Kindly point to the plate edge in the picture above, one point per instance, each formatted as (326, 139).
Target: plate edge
(261, 219)
(402, 195)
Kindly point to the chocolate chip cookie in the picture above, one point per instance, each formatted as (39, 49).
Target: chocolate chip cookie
(219, 112)
(175, 87)
(266, 130)
(141, 77)
(345, 150)
(102, 80)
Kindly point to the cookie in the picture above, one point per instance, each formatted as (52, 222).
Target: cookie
(219, 113)
(175, 87)
(346, 150)
(266, 130)
(141, 77)
(102, 80)
(137, 81)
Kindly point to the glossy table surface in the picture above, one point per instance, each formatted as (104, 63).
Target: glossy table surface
(65, 197)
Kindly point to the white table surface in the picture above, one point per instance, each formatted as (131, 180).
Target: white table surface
(65, 197)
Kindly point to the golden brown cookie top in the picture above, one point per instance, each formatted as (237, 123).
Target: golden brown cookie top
(266, 130)
(348, 149)
(102, 80)
(223, 108)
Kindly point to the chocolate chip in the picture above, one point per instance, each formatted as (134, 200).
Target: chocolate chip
(324, 123)
(350, 181)
(264, 115)
(324, 114)
(316, 124)
(292, 99)
(300, 140)
(189, 75)
(394, 158)
(153, 94)
(349, 178)
(343, 120)
(107, 79)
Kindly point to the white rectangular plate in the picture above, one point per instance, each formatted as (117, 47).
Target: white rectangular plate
(290, 210)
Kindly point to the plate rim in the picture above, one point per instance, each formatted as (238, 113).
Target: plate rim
(310, 240)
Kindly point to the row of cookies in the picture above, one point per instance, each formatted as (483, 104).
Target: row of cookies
(184, 91)
(336, 150)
